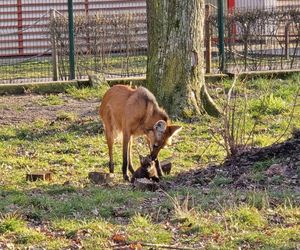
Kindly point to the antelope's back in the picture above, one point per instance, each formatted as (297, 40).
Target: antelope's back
(129, 109)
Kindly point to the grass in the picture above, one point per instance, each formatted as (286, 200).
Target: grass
(87, 93)
(51, 100)
(71, 212)
(35, 69)
(141, 227)
(25, 70)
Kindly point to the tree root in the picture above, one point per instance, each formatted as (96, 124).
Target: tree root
(208, 105)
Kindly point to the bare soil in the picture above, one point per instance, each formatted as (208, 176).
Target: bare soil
(26, 109)
(274, 166)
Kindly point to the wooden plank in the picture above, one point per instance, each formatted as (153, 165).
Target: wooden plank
(43, 176)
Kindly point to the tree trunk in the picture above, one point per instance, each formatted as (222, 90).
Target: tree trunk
(175, 67)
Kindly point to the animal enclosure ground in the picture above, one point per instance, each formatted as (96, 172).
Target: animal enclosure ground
(251, 202)
(29, 108)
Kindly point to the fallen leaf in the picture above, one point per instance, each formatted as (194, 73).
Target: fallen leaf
(119, 238)
(135, 246)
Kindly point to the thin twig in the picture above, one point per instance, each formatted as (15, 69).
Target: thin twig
(291, 116)
(228, 113)
(154, 245)
(216, 140)
(167, 246)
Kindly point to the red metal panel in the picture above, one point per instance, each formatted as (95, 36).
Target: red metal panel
(231, 5)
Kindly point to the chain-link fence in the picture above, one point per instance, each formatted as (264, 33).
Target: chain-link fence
(113, 44)
(24, 47)
(264, 37)
(259, 35)
(111, 37)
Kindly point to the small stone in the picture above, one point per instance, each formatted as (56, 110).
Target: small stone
(120, 211)
(166, 166)
(67, 183)
(243, 197)
(100, 178)
(205, 190)
(242, 181)
(297, 190)
(276, 169)
(144, 184)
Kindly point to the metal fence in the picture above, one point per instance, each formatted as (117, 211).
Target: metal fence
(113, 44)
(24, 50)
(111, 37)
(263, 38)
(260, 35)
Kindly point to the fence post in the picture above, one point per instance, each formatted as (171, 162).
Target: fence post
(20, 27)
(54, 48)
(207, 40)
(71, 40)
(86, 7)
(287, 40)
(221, 34)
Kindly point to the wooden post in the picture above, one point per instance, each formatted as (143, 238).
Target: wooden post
(86, 10)
(20, 27)
(207, 40)
(86, 7)
(54, 49)
(71, 40)
(221, 36)
(287, 40)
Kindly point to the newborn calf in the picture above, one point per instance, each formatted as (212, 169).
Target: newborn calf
(146, 170)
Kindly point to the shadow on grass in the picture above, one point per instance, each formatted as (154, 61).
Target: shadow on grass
(33, 133)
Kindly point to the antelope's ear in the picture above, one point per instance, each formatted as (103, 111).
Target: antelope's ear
(141, 158)
(160, 128)
(174, 129)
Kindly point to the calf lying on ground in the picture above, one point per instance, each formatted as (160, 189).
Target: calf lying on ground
(146, 170)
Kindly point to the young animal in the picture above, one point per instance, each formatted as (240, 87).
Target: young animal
(134, 112)
(146, 170)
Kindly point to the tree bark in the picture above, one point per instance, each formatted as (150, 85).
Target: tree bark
(175, 67)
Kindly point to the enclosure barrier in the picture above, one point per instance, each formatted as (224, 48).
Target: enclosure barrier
(110, 38)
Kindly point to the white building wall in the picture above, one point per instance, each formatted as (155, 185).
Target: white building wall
(255, 4)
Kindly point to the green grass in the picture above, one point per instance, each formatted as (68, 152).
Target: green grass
(70, 210)
(27, 69)
(66, 116)
(141, 227)
(51, 100)
(43, 69)
(87, 93)
(268, 105)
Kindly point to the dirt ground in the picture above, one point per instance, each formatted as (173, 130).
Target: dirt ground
(27, 108)
(238, 171)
